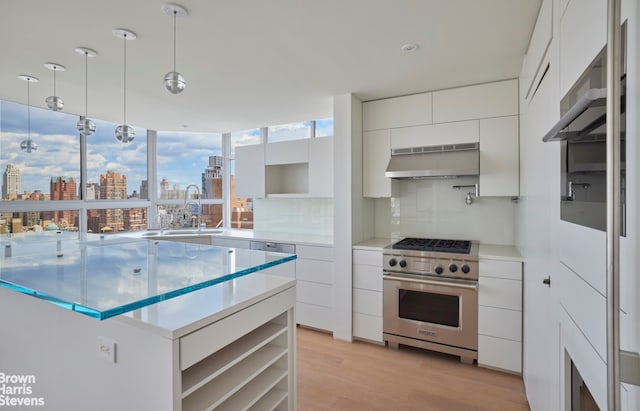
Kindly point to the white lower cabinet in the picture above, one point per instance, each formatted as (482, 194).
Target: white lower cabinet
(315, 279)
(367, 295)
(500, 315)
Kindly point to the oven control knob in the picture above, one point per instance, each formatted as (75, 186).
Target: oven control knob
(465, 269)
(453, 268)
(392, 262)
(439, 269)
(402, 263)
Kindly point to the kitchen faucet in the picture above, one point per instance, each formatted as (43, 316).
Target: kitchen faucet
(189, 202)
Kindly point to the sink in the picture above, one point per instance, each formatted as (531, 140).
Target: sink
(194, 231)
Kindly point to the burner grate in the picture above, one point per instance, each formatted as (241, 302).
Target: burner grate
(431, 244)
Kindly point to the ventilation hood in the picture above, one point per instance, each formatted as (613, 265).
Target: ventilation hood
(450, 160)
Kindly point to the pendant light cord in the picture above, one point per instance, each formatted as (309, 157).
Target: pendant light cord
(29, 111)
(125, 78)
(86, 83)
(175, 13)
(55, 68)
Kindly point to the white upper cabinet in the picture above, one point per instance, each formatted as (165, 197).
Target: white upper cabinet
(435, 134)
(296, 168)
(287, 152)
(250, 171)
(376, 152)
(499, 165)
(583, 33)
(321, 167)
(533, 67)
(394, 112)
(475, 102)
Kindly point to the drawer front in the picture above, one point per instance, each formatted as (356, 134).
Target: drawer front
(314, 316)
(314, 293)
(368, 327)
(496, 292)
(499, 353)
(314, 252)
(499, 322)
(367, 302)
(315, 270)
(511, 270)
(368, 277)
(367, 257)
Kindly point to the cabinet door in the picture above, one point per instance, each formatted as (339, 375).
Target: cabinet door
(435, 134)
(321, 167)
(376, 152)
(403, 111)
(250, 172)
(474, 102)
(499, 164)
(287, 152)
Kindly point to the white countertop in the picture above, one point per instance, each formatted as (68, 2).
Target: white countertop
(499, 252)
(182, 315)
(373, 244)
(236, 233)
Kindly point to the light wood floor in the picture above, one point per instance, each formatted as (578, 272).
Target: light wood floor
(336, 375)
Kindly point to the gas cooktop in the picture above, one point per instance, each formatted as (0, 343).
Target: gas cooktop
(435, 245)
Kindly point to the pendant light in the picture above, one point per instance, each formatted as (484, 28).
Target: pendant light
(54, 102)
(173, 81)
(85, 126)
(124, 132)
(28, 146)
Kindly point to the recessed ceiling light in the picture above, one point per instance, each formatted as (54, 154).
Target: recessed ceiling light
(409, 48)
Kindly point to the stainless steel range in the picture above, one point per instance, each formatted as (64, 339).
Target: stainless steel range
(431, 295)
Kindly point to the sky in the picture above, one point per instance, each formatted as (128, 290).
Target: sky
(182, 157)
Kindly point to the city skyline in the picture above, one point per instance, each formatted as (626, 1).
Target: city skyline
(181, 156)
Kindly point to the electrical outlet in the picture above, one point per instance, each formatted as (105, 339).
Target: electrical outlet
(107, 349)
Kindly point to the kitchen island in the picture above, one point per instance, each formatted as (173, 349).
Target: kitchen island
(226, 341)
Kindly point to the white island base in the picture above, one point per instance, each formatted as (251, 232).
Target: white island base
(227, 347)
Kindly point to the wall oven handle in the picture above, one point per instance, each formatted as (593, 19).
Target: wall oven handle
(433, 282)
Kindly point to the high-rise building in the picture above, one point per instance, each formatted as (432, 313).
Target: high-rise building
(64, 188)
(164, 188)
(212, 178)
(10, 182)
(113, 186)
(93, 191)
(144, 190)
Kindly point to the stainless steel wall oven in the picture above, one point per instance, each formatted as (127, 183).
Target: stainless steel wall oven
(582, 135)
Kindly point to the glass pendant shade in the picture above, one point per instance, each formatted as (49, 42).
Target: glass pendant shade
(28, 146)
(173, 81)
(125, 133)
(85, 126)
(54, 102)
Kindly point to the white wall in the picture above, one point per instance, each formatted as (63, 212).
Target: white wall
(432, 208)
(294, 215)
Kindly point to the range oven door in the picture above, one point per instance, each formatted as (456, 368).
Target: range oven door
(438, 311)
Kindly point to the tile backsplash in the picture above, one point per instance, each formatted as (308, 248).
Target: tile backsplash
(294, 215)
(432, 208)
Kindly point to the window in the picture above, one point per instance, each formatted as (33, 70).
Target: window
(324, 127)
(52, 172)
(116, 220)
(116, 171)
(286, 132)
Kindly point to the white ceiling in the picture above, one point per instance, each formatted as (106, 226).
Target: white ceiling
(253, 63)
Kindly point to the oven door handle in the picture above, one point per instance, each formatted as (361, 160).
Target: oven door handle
(432, 282)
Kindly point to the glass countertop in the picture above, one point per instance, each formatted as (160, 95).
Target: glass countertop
(111, 275)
